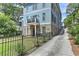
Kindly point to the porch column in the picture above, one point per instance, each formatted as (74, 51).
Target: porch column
(35, 20)
(35, 30)
(29, 32)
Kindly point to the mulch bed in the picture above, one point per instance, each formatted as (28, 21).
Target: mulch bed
(75, 48)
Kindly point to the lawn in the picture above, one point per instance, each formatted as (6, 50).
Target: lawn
(9, 47)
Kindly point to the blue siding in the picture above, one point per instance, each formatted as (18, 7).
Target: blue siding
(48, 15)
(39, 6)
(40, 10)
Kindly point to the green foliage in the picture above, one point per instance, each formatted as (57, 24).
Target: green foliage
(70, 30)
(12, 10)
(20, 49)
(71, 7)
(6, 24)
(68, 21)
(77, 29)
(72, 20)
(77, 39)
(73, 30)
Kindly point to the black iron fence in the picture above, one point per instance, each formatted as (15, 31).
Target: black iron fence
(17, 44)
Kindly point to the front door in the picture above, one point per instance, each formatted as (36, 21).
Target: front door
(33, 31)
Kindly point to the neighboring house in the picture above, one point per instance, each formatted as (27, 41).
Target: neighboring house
(41, 18)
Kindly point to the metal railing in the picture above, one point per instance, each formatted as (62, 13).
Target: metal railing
(32, 20)
(16, 44)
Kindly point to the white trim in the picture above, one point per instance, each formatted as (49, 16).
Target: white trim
(34, 11)
(44, 23)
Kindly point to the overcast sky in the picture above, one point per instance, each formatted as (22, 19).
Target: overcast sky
(63, 7)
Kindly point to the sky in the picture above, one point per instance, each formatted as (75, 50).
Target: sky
(63, 7)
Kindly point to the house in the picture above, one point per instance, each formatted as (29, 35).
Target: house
(41, 18)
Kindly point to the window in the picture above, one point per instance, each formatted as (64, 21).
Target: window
(34, 6)
(21, 18)
(44, 16)
(20, 23)
(34, 18)
(27, 9)
(27, 17)
(28, 20)
(43, 5)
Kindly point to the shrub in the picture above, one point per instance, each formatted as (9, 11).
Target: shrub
(77, 39)
(6, 24)
(73, 30)
(20, 49)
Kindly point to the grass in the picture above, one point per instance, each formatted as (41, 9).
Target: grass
(9, 47)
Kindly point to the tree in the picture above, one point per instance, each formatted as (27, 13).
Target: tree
(6, 24)
(73, 14)
(13, 10)
(68, 21)
(72, 7)
(72, 20)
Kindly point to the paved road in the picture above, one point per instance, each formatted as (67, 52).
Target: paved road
(57, 46)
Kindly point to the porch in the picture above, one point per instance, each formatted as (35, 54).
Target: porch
(33, 29)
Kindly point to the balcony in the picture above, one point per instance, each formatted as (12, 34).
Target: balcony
(33, 21)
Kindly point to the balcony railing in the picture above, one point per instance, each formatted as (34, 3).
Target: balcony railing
(32, 21)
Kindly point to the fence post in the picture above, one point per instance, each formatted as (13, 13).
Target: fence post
(2, 46)
(22, 45)
(37, 41)
(49, 35)
(5, 44)
(44, 37)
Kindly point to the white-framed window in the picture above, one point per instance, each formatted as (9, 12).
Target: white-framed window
(34, 6)
(43, 16)
(43, 5)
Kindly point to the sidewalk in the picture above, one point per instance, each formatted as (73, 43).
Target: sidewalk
(66, 49)
(57, 46)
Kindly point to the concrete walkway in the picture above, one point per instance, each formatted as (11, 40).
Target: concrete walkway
(57, 46)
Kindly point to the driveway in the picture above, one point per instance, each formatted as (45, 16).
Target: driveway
(57, 46)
